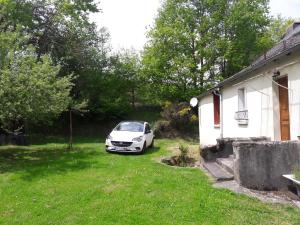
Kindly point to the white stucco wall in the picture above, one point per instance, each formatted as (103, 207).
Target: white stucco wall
(208, 132)
(258, 104)
(261, 102)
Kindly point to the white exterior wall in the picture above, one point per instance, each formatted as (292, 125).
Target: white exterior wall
(208, 132)
(261, 102)
(259, 106)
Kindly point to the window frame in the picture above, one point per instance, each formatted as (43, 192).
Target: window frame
(147, 128)
(242, 102)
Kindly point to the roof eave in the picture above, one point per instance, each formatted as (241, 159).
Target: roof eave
(248, 70)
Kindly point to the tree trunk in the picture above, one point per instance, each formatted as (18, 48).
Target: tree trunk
(71, 131)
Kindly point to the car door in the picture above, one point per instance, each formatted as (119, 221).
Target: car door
(148, 134)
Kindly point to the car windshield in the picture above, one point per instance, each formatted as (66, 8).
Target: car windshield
(130, 126)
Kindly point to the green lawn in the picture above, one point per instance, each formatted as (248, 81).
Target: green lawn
(44, 184)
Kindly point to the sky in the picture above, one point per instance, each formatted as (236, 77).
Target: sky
(128, 20)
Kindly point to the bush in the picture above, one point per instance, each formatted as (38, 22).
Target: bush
(183, 157)
(161, 127)
(179, 119)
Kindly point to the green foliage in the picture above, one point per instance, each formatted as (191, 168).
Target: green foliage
(30, 90)
(183, 157)
(162, 129)
(195, 44)
(178, 119)
(278, 28)
(179, 115)
(61, 29)
(116, 91)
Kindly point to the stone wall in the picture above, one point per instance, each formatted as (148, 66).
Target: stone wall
(224, 147)
(260, 165)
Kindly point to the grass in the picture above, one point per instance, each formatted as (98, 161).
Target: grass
(45, 184)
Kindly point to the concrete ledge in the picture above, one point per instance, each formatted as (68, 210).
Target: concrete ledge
(224, 148)
(260, 165)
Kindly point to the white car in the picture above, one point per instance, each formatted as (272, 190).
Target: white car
(130, 136)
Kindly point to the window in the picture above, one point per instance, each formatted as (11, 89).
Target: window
(147, 128)
(130, 126)
(216, 109)
(241, 99)
(242, 114)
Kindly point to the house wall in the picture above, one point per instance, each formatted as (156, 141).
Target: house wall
(261, 102)
(258, 104)
(207, 130)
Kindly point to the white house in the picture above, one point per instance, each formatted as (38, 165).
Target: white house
(261, 100)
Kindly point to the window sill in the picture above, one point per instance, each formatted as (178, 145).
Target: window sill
(243, 122)
(217, 126)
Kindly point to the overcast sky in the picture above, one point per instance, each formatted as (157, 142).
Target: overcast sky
(128, 20)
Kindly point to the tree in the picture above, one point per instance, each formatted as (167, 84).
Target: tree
(30, 90)
(278, 28)
(128, 68)
(244, 34)
(78, 108)
(60, 29)
(195, 44)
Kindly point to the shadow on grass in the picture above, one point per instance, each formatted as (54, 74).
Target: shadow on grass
(148, 151)
(151, 151)
(40, 140)
(33, 162)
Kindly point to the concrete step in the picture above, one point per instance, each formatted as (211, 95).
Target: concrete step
(226, 163)
(217, 171)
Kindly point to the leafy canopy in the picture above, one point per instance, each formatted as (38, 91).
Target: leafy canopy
(30, 89)
(195, 44)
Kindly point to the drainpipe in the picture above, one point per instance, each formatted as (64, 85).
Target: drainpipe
(199, 123)
(218, 93)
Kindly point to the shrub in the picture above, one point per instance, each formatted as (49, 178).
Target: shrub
(179, 119)
(160, 127)
(183, 157)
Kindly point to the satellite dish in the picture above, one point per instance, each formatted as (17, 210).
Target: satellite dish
(194, 102)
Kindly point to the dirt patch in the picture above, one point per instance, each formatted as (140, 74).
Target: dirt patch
(179, 161)
(191, 159)
(193, 151)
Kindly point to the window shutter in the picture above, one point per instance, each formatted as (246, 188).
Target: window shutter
(216, 109)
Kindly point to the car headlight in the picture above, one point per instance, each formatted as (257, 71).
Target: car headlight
(138, 139)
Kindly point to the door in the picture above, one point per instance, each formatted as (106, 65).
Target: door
(284, 109)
